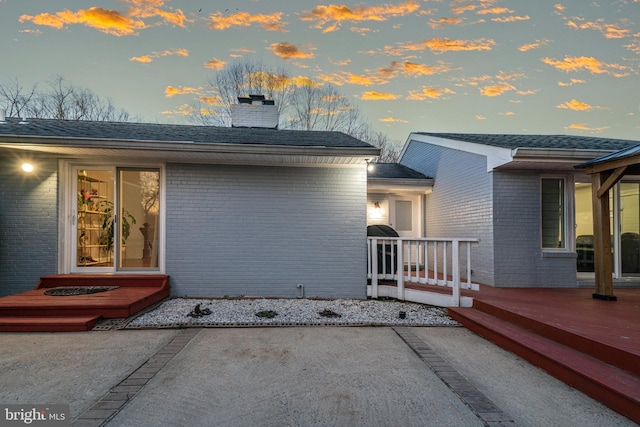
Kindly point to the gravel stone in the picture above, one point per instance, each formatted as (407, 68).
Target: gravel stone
(291, 312)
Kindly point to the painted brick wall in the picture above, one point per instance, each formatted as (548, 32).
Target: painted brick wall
(259, 231)
(247, 115)
(28, 224)
(519, 258)
(461, 204)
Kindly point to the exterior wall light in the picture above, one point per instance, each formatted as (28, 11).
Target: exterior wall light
(27, 167)
(376, 212)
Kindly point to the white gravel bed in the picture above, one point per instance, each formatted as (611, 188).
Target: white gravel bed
(290, 312)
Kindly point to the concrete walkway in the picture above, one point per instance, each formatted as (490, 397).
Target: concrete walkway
(299, 376)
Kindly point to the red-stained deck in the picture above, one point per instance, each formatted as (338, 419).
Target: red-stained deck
(590, 344)
(33, 311)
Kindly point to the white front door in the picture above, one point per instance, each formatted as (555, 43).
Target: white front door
(405, 216)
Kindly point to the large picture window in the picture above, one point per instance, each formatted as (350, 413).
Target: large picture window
(553, 213)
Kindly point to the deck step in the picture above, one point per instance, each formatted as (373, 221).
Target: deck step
(612, 386)
(48, 324)
(612, 355)
(126, 280)
(34, 311)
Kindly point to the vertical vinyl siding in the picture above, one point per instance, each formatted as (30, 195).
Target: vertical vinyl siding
(259, 231)
(461, 204)
(28, 223)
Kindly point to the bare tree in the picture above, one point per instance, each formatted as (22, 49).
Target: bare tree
(240, 79)
(62, 101)
(321, 107)
(302, 103)
(15, 97)
(390, 149)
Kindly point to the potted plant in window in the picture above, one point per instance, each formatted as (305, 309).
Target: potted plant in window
(108, 224)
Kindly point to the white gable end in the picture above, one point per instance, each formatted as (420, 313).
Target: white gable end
(496, 156)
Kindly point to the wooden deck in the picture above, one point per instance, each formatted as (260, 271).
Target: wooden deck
(33, 311)
(592, 345)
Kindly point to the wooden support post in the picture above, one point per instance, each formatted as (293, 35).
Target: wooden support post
(602, 239)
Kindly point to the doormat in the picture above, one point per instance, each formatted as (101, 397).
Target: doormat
(65, 291)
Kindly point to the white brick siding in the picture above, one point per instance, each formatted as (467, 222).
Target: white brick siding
(519, 257)
(28, 224)
(247, 115)
(461, 204)
(502, 209)
(259, 231)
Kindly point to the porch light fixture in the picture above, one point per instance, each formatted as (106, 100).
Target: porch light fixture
(370, 166)
(27, 167)
(376, 212)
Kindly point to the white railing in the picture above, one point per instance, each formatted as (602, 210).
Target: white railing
(440, 262)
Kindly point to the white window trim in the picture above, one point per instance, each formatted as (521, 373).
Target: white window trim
(67, 199)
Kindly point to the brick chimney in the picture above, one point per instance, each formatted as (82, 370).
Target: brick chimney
(254, 111)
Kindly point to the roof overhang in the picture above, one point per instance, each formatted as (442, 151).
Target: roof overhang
(190, 152)
(548, 159)
(626, 160)
(500, 158)
(392, 185)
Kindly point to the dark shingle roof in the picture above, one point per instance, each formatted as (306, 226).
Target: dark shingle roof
(150, 132)
(618, 155)
(568, 142)
(394, 170)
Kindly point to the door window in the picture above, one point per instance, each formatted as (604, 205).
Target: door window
(94, 225)
(630, 228)
(139, 208)
(404, 215)
(584, 227)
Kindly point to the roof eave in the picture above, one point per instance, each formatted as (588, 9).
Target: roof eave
(185, 150)
(555, 154)
(548, 159)
(423, 186)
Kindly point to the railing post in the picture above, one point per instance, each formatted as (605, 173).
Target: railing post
(468, 265)
(455, 266)
(445, 264)
(435, 263)
(374, 267)
(400, 269)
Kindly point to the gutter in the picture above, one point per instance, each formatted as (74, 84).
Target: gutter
(555, 154)
(19, 141)
(397, 184)
(404, 182)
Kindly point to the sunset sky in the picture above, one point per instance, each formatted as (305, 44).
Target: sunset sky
(482, 66)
